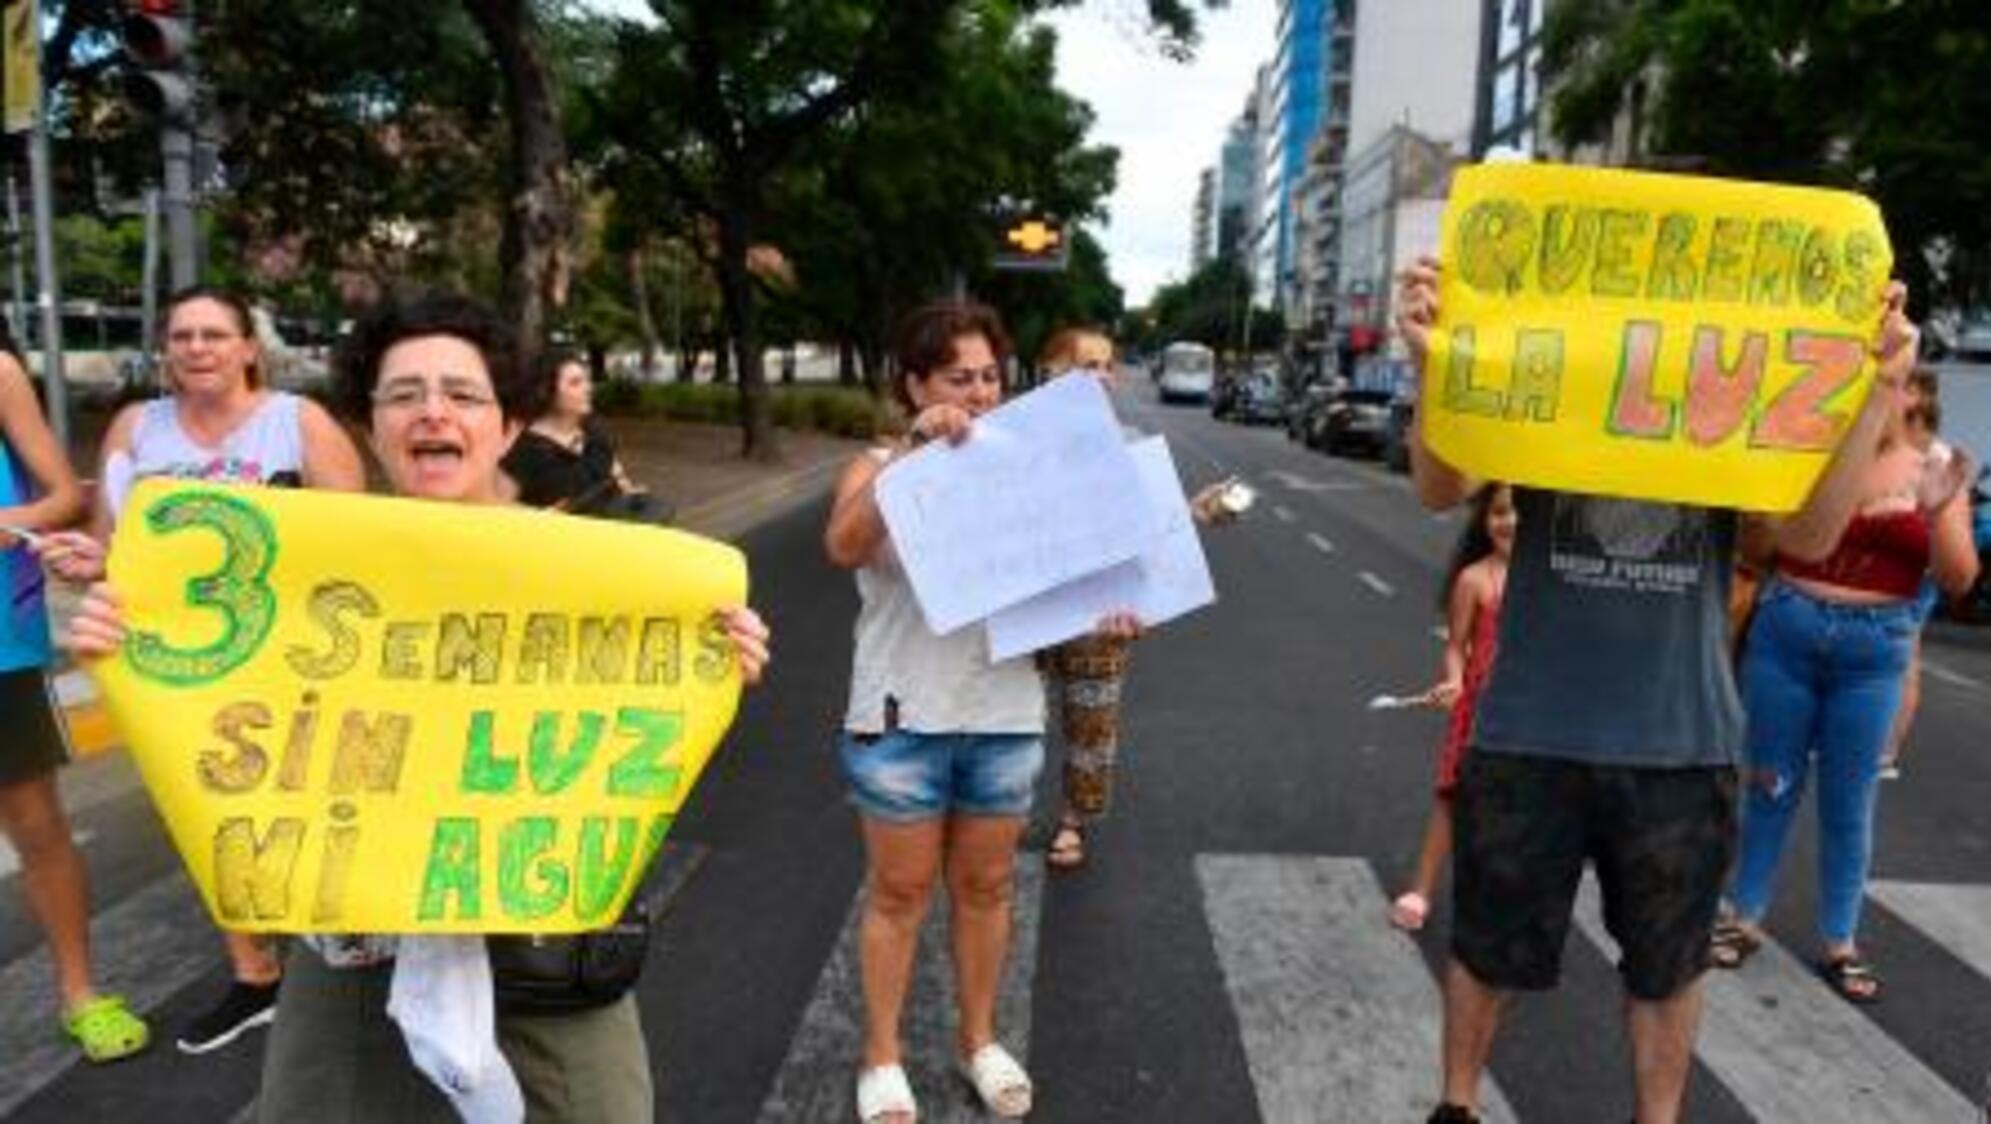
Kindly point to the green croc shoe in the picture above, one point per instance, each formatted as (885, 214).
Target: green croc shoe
(106, 1029)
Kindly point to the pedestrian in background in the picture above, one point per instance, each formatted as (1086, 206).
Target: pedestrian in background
(1822, 673)
(565, 459)
(38, 493)
(438, 388)
(1923, 420)
(1607, 737)
(1475, 583)
(1086, 675)
(941, 747)
(219, 421)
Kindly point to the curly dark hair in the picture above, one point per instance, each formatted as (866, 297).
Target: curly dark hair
(356, 369)
(927, 335)
(546, 377)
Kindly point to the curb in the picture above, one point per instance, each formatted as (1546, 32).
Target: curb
(725, 516)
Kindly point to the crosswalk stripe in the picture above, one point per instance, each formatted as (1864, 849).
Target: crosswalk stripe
(147, 947)
(1338, 1011)
(1956, 917)
(819, 1075)
(1791, 1050)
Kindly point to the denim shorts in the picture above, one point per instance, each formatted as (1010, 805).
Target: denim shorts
(906, 777)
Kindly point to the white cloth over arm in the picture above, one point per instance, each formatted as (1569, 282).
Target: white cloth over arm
(443, 998)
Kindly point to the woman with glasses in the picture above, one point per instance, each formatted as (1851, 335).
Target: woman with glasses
(219, 421)
(437, 386)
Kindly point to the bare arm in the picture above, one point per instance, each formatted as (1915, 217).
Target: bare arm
(1439, 486)
(1953, 551)
(1459, 611)
(61, 499)
(331, 462)
(856, 525)
(1811, 532)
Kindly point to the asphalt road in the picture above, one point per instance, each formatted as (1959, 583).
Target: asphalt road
(1223, 956)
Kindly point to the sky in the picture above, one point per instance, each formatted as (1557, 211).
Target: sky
(1166, 118)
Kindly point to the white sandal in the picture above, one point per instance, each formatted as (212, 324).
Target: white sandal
(883, 1090)
(1001, 1083)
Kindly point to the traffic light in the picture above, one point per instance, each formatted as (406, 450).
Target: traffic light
(1032, 241)
(159, 37)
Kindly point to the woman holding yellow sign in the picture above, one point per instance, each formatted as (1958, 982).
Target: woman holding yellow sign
(439, 389)
(221, 421)
(1822, 674)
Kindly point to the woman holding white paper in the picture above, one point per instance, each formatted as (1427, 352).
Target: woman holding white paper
(941, 748)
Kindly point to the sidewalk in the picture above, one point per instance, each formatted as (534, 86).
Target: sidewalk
(697, 467)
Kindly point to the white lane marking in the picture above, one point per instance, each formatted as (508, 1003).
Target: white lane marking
(74, 688)
(1789, 1049)
(1381, 587)
(1295, 482)
(1956, 917)
(146, 948)
(818, 1077)
(1283, 515)
(1953, 678)
(1320, 542)
(1337, 1010)
(10, 859)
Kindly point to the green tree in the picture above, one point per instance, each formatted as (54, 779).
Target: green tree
(1888, 99)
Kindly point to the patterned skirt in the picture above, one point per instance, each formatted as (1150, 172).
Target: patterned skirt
(1085, 675)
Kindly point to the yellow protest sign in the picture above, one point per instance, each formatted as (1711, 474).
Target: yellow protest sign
(1651, 336)
(361, 714)
(20, 53)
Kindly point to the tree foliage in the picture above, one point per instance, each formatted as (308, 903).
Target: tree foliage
(1888, 99)
(1211, 307)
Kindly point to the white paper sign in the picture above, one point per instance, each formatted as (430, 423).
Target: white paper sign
(1167, 580)
(1043, 491)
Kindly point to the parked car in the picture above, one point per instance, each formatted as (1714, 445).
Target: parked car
(1973, 337)
(1187, 373)
(1357, 418)
(1260, 400)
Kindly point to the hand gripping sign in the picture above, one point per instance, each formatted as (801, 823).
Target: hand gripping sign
(1650, 336)
(360, 714)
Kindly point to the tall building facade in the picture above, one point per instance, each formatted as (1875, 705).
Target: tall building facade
(1508, 116)
(1237, 185)
(1297, 101)
(1202, 221)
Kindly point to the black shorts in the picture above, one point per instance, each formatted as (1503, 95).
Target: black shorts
(1661, 841)
(32, 742)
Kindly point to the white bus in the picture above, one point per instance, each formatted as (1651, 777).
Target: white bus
(1187, 372)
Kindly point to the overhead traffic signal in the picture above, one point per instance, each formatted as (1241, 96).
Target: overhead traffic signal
(159, 37)
(1032, 241)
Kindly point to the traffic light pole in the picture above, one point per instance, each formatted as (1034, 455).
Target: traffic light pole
(176, 146)
(41, 190)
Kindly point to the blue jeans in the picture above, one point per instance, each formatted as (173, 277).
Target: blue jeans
(1821, 682)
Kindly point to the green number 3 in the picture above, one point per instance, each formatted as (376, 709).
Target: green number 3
(239, 590)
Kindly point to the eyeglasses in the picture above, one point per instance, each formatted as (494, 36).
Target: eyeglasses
(413, 394)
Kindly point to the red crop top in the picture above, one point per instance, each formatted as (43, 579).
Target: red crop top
(1886, 553)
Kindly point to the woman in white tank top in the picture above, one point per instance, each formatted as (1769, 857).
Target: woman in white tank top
(219, 422)
(940, 748)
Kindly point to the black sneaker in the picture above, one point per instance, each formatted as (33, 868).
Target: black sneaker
(1452, 1114)
(243, 1007)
